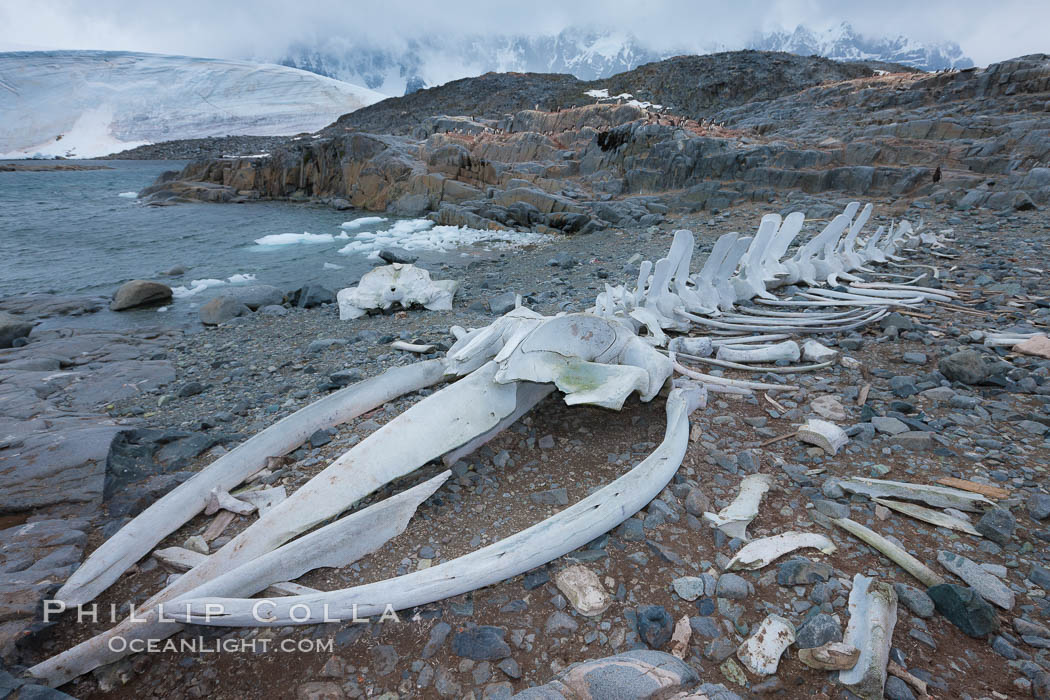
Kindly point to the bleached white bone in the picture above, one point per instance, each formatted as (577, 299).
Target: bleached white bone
(543, 542)
(138, 537)
(336, 544)
(762, 650)
(182, 559)
(872, 617)
(827, 436)
(222, 500)
(928, 515)
(763, 552)
(382, 287)
(936, 496)
(751, 281)
(787, 350)
(734, 518)
(893, 552)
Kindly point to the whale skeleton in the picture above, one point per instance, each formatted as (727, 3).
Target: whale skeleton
(492, 376)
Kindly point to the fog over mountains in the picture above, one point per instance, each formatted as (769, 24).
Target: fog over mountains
(586, 53)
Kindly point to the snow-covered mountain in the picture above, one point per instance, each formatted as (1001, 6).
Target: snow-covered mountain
(586, 53)
(437, 59)
(90, 103)
(842, 43)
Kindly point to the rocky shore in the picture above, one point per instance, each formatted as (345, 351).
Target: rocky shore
(134, 414)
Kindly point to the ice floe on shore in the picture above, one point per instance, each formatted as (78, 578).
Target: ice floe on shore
(198, 286)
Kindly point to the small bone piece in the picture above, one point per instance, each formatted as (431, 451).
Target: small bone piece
(583, 589)
(264, 499)
(734, 518)
(832, 656)
(680, 637)
(218, 525)
(976, 577)
(895, 669)
(928, 515)
(827, 436)
(411, 347)
(763, 552)
(873, 615)
(222, 500)
(761, 651)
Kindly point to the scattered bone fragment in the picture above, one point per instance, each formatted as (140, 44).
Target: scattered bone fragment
(218, 525)
(264, 499)
(697, 347)
(812, 351)
(761, 652)
(873, 615)
(928, 515)
(895, 669)
(412, 347)
(734, 518)
(978, 578)
(827, 436)
(936, 496)
(894, 553)
(680, 637)
(583, 590)
(223, 500)
(996, 492)
(832, 656)
(763, 552)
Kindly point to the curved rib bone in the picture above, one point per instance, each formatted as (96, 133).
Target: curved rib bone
(541, 543)
(138, 537)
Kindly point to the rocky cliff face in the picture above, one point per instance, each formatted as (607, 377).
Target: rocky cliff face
(591, 167)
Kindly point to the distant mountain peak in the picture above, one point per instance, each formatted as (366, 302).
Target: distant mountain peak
(841, 42)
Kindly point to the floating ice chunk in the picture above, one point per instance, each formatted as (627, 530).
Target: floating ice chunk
(363, 221)
(293, 238)
(422, 234)
(332, 266)
(198, 286)
(129, 195)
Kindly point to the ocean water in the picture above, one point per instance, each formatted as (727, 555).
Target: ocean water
(84, 232)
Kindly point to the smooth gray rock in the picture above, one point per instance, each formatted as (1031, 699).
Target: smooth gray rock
(632, 675)
(256, 296)
(820, 629)
(12, 328)
(998, 525)
(221, 309)
(1038, 505)
(914, 599)
(971, 367)
(140, 293)
(965, 609)
(485, 643)
(732, 586)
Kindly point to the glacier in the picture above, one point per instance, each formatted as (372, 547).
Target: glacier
(85, 104)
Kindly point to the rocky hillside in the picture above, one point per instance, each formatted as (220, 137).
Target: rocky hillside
(687, 85)
(615, 165)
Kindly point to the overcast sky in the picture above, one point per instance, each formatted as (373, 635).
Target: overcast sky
(987, 30)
